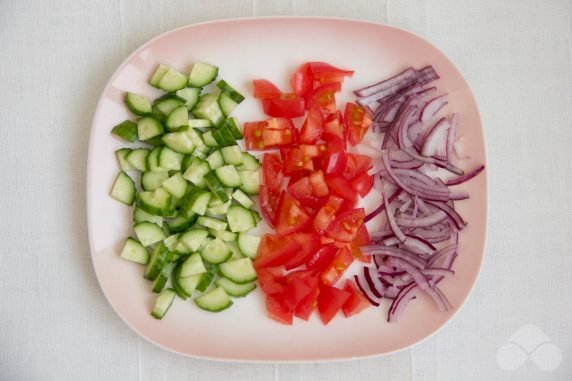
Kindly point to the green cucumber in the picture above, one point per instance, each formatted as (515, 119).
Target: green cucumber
(124, 189)
(126, 130)
(138, 104)
(214, 301)
(163, 303)
(134, 251)
(235, 289)
(239, 271)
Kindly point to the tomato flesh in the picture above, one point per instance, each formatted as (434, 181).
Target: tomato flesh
(301, 81)
(313, 126)
(318, 184)
(284, 107)
(326, 73)
(326, 214)
(275, 310)
(275, 251)
(324, 97)
(346, 225)
(356, 301)
(322, 258)
(291, 216)
(264, 89)
(268, 201)
(341, 187)
(330, 301)
(362, 184)
(309, 243)
(357, 121)
(342, 260)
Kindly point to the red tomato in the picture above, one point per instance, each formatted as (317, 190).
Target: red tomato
(362, 184)
(356, 302)
(362, 237)
(276, 310)
(330, 301)
(309, 243)
(271, 133)
(342, 260)
(300, 158)
(291, 216)
(335, 163)
(268, 204)
(326, 73)
(357, 121)
(264, 89)
(324, 97)
(275, 251)
(334, 127)
(357, 165)
(322, 259)
(301, 190)
(318, 183)
(253, 135)
(312, 127)
(301, 81)
(294, 293)
(272, 175)
(304, 308)
(326, 214)
(341, 187)
(356, 252)
(284, 107)
(269, 283)
(346, 225)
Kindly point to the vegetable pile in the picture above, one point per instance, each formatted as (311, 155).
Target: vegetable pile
(416, 249)
(193, 206)
(309, 195)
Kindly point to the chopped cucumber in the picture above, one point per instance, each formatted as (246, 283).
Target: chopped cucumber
(235, 289)
(158, 202)
(153, 161)
(202, 74)
(179, 141)
(166, 104)
(206, 279)
(200, 123)
(192, 265)
(137, 158)
(193, 238)
(215, 160)
(239, 271)
(224, 235)
(209, 140)
(227, 105)
(214, 301)
(250, 181)
(156, 262)
(240, 219)
(138, 104)
(211, 222)
(242, 198)
(148, 127)
(215, 186)
(230, 91)
(189, 95)
(236, 254)
(126, 130)
(234, 127)
(232, 155)
(228, 176)
(153, 180)
(169, 159)
(248, 244)
(172, 81)
(171, 241)
(148, 233)
(208, 108)
(249, 163)
(197, 201)
(135, 252)
(223, 136)
(124, 189)
(217, 207)
(177, 118)
(197, 171)
(158, 74)
(161, 281)
(176, 185)
(182, 223)
(122, 159)
(139, 215)
(163, 303)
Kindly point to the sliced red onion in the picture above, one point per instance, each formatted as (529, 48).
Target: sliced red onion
(458, 195)
(396, 253)
(444, 252)
(435, 141)
(415, 273)
(374, 287)
(405, 76)
(421, 222)
(444, 299)
(433, 107)
(441, 305)
(362, 285)
(381, 208)
(436, 271)
(401, 301)
(452, 135)
(451, 213)
(466, 177)
(391, 218)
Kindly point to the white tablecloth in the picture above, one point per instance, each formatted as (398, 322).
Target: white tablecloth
(55, 58)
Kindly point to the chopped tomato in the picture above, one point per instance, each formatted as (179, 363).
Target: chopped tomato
(326, 214)
(301, 81)
(313, 126)
(346, 225)
(276, 310)
(335, 163)
(268, 204)
(270, 133)
(253, 135)
(301, 190)
(272, 138)
(357, 121)
(287, 106)
(324, 97)
(300, 158)
(362, 238)
(272, 175)
(341, 187)
(357, 165)
(269, 282)
(264, 89)
(342, 260)
(309, 243)
(356, 252)
(356, 302)
(294, 293)
(334, 127)
(326, 73)
(322, 258)
(275, 251)
(318, 184)
(304, 308)
(291, 216)
(330, 301)
(362, 184)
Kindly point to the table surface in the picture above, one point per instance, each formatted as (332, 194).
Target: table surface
(55, 59)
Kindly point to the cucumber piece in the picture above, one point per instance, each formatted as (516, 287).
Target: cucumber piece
(158, 202)
(234, 289)
(248, 244)
(197, 171)
(156, 262)
(171, 242)
(226, 104)
(126, 130)
(193, 239)
(214, 301)
(137, 158)
(177, 118)
(200, 123)
(177, 282)
(139, 215)
(197, 139)
(249, 163)
(228, 176)
(148, 127)
(153, 180)
(163, 303)
(172, 81)
(232, 155)
(236, 254)
(240, 271)
(179, 141)
(186, 163)
(256, 216)
(215, 160)
(192, 265)
(189, 95)
(211, 222)
(122, 154)
(197, 200)
(158, 74)
(240, 219)
(224, 235)
(153, 160)
(218, 207)
(138, 104)
(202, 74)
(176, 185)
(243, 199)
(180, 224)
(166, 104)
(230, 91)
(234, 127)
(189, 284)
(215, 186)
(205, 279)
(135, 252)
(223, 137)
(250, 181)
(148, 233)
(209, 140)
(161, 281)
(124, 189)
(182, 250)
(169, 159)
(215, 251)
(208, 108)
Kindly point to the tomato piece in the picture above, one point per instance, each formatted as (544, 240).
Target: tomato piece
(291, 216)
(268, 204)
(326, 214)
(313, 126)
(294, 293)
(309, 243)
(275, 251)
(276, 310)
(272, 175)
(356, 302)
(334, 127)
(324, 97)
(301, 81)
(253, 134)
(284, 107)
(306, 306)
(342, 260)
(362, 237)
(322, 258)
(362, 184)
(357, 121)
(271, 133)
(300, 158)
(269, 282)
(301, 190)
(357, 165)
(346, 225)
(356, 252)
(341, 187)
(330, 301)
(318, 184)
(335, 163)
(264, 89)
(326, 73)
